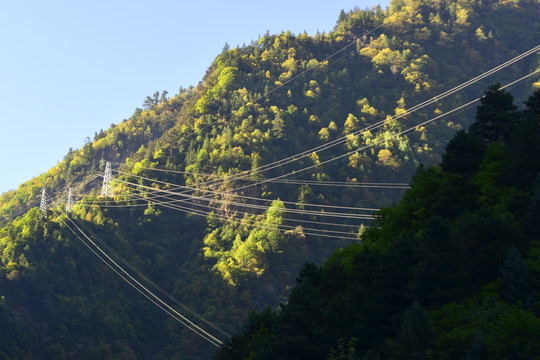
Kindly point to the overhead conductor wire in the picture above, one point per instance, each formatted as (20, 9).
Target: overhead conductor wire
(153, 284)
(402, 132)
(322, 163)
(376, 125)
(113, 265)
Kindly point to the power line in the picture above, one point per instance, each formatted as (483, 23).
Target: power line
(172, 204)
(376, 142)
(258, 225)
(319, 214)
(186, 195)
(315, 232)
(301, 74)
(165, 199)
(376, 125)
(336, 158)
(352, 184)
(254, 206)
(395, 117)
(104, 257)
(402, 132)
(150, 282)
(46, 197)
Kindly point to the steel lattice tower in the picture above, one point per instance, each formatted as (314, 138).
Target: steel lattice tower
(106, 189)
(43, 206)
(69, 203)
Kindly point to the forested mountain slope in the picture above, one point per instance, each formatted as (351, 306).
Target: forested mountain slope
(202, 202)
(451, 272)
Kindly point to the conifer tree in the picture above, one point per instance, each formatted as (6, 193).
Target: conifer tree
(495, 116)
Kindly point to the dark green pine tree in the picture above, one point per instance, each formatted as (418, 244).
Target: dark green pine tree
(533, 105)
(342, 16)
(477, 350)
(495, 117)
(416, 338)
(514, 282)
(531, 218)
(524, 147)
(463, 154)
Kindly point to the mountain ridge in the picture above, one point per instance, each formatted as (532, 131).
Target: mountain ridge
(217, 129)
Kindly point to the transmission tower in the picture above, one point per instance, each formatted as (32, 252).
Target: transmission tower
(69, 203)
(43, 206)
(106, 189)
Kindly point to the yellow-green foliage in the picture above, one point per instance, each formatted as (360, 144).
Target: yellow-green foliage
(240, 247)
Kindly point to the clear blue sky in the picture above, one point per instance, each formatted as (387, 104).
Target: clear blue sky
(70, 68)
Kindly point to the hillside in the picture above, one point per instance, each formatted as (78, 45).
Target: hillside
(451, 272)
(281, 155)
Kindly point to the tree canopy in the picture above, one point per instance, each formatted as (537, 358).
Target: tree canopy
(223, 191)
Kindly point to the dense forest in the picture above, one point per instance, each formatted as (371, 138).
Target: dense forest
(451, 272)
(281, 156)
